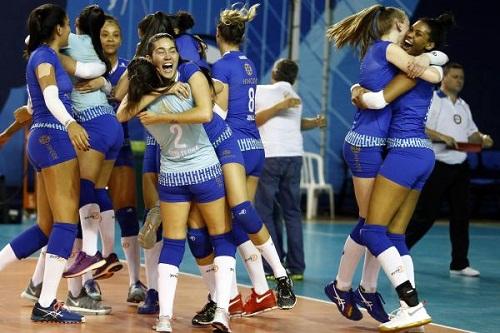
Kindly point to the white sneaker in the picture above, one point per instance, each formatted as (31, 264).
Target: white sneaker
(467, 271)
(163, 324)
(406, 317)
(221, 320)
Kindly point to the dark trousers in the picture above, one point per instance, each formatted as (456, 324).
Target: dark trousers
(280, 181)
(447, 182)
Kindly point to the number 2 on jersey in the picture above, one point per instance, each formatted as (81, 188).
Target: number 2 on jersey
(177, 130)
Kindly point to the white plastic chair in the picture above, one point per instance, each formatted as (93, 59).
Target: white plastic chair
(312, 182)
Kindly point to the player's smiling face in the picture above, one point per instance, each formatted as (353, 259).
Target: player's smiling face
(165, 57)
(417, 40)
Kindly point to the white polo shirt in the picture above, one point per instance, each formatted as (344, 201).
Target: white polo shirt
(281, 134)
(454, 120)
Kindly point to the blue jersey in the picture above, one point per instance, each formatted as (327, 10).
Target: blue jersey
(375, 73)
(81, 49)
(217, 126)
(189, 49)
(239, 73)
(409, 112)
(42, 115)
(113, 77)
(185, 148)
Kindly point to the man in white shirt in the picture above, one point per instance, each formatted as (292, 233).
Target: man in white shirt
(279, 117)
(450, 121)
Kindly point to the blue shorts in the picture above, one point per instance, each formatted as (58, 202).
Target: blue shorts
(125, 155)
(254, 161)
(151, 161)
(408, 167)
(47, 147)
(106, 135)
(208, 191)
(364, 162)
(228, 152)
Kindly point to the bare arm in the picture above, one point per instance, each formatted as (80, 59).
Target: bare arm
(121, 87)
(311, 123)
(262, 116)
(438, 136)
(222, 96)
(201, 112)
(399, 58)
(13, 128)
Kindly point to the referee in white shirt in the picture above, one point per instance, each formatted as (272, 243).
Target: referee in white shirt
(279, 117)
(450, 121)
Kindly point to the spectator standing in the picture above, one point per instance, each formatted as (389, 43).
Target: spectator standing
(450, 121)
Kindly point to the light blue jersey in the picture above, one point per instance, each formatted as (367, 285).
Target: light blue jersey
(80, 48)
(187, 157)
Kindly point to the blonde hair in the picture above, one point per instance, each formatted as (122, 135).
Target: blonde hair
(232, 21)
(360, 30)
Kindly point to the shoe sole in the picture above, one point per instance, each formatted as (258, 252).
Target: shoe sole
(201, 324)
(287, 307)
(462, 274)
(88, 311)
(109, 271)
(259, 312)
(403, 328)
(45, 321)
(97, 265)
(147, 234)
(29, 297)
(220, 326)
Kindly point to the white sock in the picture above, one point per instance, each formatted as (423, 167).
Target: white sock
(151, 259)
(167, 283)
(107, 231)
(87, 276)
(253, 263)
(208, 276)
(133, 255)
(54, 267)
(89, 219)
(234, 287)
(224, 270)
(269, 253)
(37, 277)
(7, 256)
(393, 266)
(351, 254)
(408, 262)
(371, 268)
(75, 284)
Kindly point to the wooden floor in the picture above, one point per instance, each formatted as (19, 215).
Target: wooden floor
(308, 316)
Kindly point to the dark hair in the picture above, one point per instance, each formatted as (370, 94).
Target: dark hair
(452, 65)
(113, 19)
(159, 36)
(439, 28)
(361, 29)
(231, 26)
(285, 70)
(151, 25)
(153, 39)
(183, 21)
(144, 78)
(90, 22)
(41, 24)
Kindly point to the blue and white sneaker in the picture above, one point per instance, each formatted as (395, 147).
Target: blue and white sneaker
(373, 303)
(55, 313)
(344, 300)
(151, 304)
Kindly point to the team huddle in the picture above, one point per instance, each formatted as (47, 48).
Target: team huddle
(202, 162)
